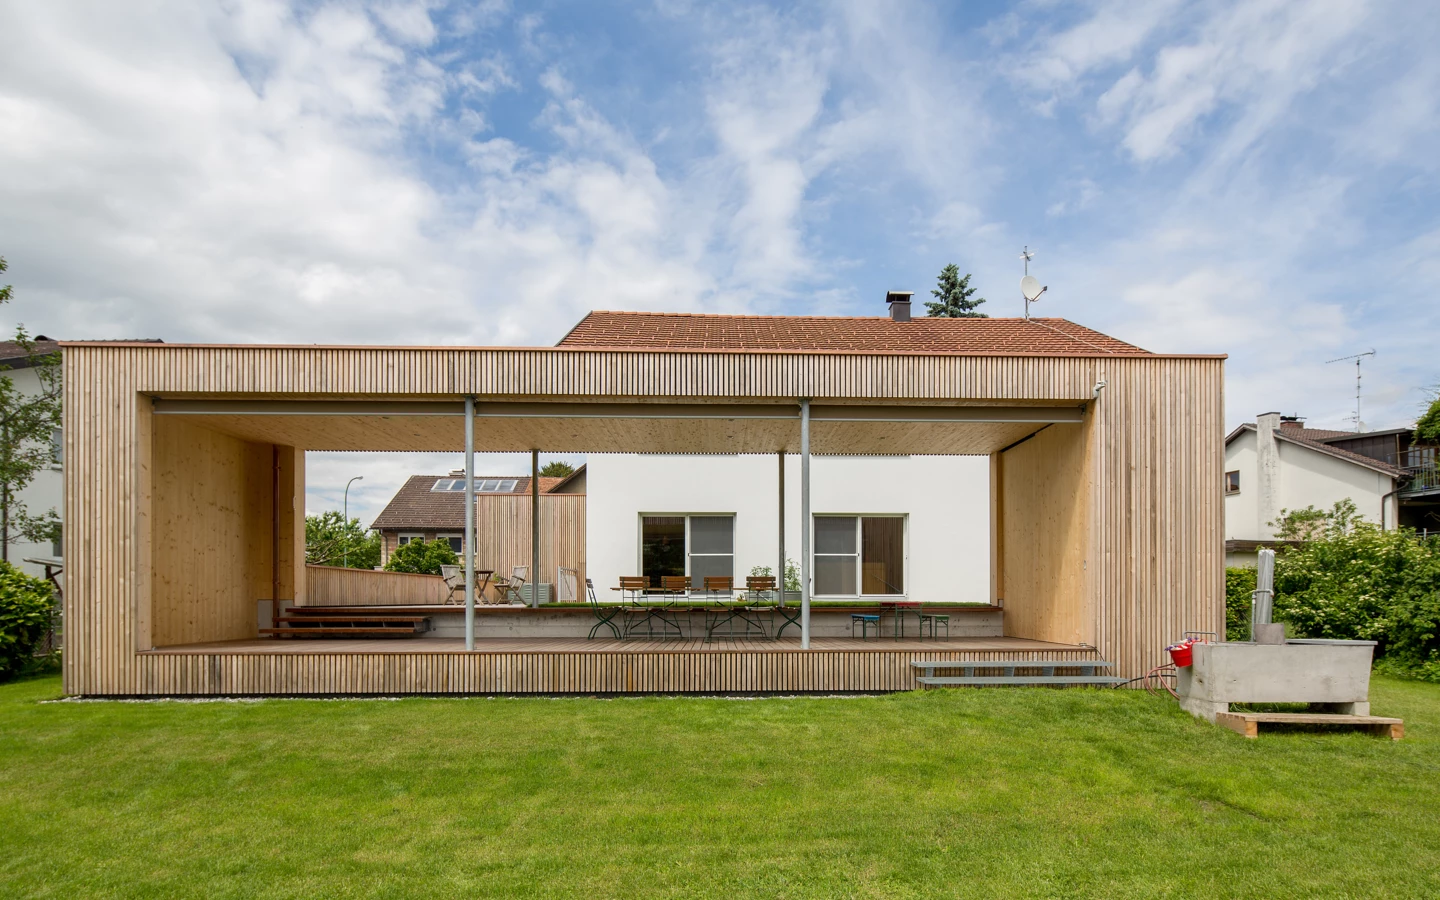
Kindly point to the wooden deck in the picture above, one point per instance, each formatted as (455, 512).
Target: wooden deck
(561, 666)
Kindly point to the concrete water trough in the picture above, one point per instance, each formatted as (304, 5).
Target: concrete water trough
(1333, 673)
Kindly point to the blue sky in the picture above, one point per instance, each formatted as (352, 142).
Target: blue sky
(1254, 178)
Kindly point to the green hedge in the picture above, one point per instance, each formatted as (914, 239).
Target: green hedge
(27, 607)
(1239, 585)
(1353, 581)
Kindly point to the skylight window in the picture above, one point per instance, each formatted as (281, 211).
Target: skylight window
(482, 485)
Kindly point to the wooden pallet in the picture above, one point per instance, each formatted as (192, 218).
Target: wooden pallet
(1249, 724)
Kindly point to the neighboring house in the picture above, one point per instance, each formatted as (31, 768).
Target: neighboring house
(47, 491)
(1275, 463)
(431, 506)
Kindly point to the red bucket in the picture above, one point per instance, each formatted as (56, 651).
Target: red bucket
(1181, 654)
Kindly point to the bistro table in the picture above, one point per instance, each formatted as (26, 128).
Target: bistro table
(664, 612)
(898, 608)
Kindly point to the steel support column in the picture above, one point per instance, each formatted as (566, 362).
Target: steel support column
(469, 549)
(805, 524)
(780, 567)
(535, 528)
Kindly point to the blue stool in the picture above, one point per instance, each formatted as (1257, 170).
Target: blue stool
(864, 620)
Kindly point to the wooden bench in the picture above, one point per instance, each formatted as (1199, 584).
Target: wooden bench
(1047, 677)
(1248, 724)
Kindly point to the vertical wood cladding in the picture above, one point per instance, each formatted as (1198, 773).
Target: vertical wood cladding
(1154, 555)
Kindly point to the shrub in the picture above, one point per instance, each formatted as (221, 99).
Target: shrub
(27, 607)
(1239, 585)
(422, 557)
(1354, 581)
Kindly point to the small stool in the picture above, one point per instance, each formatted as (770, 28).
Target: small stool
(934, 620)
(864, 620)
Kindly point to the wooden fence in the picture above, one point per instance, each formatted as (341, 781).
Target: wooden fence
(331, 586)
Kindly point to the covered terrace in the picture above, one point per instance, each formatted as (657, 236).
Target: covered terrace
(186, 487)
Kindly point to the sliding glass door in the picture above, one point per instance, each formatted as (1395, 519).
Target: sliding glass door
(859, 556)
(697, 546)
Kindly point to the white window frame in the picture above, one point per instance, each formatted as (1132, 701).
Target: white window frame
(406, 537)
(448, 535)
(640, 539)
(860, 553)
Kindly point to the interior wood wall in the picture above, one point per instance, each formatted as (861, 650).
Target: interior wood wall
(1045, 535)
(210, 507)
(213, 504)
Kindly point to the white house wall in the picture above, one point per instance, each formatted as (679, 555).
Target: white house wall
(946, 500)
(1313, 478)
(45, 493)
(1307, 478)
(1242, 511)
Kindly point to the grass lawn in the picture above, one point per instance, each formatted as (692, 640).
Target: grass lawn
(978, 793)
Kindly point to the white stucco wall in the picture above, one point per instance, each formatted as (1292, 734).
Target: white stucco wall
(1241, 510)
(946, 501)
(1307, 478)
(46, 492)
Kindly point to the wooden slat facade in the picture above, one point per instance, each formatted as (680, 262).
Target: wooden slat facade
(1147, 486)
(679, 667)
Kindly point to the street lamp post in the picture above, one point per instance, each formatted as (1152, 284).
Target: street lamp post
(345, 525)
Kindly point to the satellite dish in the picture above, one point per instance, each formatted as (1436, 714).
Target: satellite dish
(1031, 288)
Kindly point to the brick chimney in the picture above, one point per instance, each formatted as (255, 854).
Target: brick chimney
(1292, 423)
(899, 305)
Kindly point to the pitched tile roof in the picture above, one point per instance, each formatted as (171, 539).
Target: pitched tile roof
(415, 506)
(1318, 434)
(858, 334)
(1290, 435)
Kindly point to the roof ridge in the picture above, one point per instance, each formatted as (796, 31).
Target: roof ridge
(702, 315)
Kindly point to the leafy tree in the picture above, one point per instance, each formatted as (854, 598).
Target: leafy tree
(27, 422)
(952, 296)
(1427, 429)
(1310, 524)
(331, 541)
(557, 469)
(422, 557)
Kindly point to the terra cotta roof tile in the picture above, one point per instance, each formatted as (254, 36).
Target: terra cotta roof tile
(858, 334)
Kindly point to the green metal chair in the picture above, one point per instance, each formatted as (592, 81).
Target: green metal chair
(604, 614)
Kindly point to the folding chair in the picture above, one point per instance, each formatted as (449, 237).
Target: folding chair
(604, 615)
(509, 588)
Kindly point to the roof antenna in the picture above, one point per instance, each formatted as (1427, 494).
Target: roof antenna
(1030, 287)
(1359, 425)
